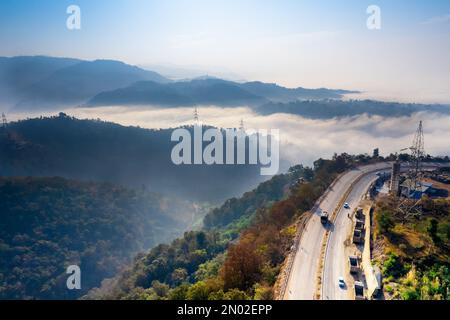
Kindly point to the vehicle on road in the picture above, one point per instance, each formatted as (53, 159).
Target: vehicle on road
(341, 282)
(324, 217)
(359, 225)
(354, 264)
(360, 214)
(359, 291)
(357, 236)
(346, 206)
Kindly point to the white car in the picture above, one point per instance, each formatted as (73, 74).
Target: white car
(341, 282)
(346, 205)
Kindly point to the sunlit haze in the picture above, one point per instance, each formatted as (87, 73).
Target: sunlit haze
(290, 42)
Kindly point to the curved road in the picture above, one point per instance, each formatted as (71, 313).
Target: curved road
(302, 282)
(336, 257)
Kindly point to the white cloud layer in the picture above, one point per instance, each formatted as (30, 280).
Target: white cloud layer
(302, 140)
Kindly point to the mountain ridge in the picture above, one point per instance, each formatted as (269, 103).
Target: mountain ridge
(208, 91)
(63, 81)
(48, 83)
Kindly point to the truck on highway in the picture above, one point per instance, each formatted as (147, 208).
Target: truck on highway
(354, 264)
(357, 236)
(360, 213)
(324, 217)
(359, 291)
(359, 225)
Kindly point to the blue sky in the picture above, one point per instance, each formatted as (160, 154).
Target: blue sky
(310, 43)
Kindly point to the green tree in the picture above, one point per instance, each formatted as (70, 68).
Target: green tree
(218, 295)
(385, 222)
(410, 294)
(198, 291)
(236, 294)
(179, 275)
(161, 289)
(263, 292)
(393, 266)
(180, 292)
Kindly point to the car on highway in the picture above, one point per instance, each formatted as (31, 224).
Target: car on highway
(359, 291)
(324, 217)
(341, 282)
(346, 205)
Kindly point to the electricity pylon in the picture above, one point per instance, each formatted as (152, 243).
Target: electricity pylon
(417, 155)
(413, 207)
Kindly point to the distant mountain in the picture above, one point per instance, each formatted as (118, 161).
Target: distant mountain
(45, 82)
(18, 73)
(276, 93)
(208, 90)
(203, 91)
(326, 109)
(101, 151)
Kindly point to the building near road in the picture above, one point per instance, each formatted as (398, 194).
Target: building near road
(409, 190)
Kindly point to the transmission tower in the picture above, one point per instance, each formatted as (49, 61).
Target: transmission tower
(196, 115)
(417, 156)
(413, 207)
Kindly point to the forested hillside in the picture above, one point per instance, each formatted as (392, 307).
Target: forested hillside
(103, 151)
(47, 224)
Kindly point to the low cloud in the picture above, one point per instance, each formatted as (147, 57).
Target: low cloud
(302, 140)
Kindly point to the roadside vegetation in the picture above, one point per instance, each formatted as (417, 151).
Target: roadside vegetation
(414, 252)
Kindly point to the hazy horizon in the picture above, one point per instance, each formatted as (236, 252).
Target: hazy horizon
(291, 43)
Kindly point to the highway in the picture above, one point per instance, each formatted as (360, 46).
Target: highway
(336, 256)
(302, 282)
